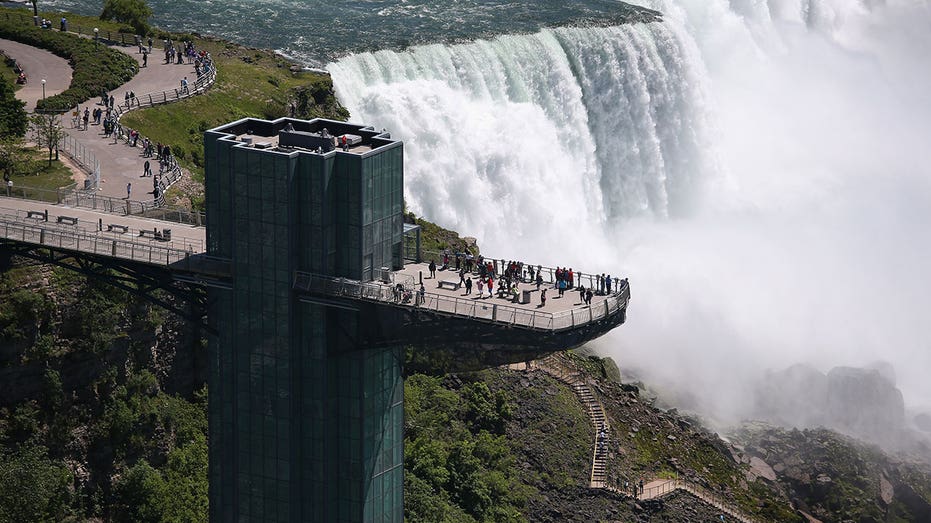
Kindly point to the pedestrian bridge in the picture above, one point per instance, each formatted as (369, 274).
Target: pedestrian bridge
(460, 320)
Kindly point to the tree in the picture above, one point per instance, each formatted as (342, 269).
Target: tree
(13, 121)
(133, 12)
(48, 132)
(32, 486)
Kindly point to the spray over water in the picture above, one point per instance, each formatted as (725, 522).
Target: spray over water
(758, 169)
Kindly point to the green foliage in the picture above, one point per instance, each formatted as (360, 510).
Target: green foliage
(32, 487)
(458, 464)
(12, 112)
(141, 495)
(133, 12)
(96, 68)
(22, 313)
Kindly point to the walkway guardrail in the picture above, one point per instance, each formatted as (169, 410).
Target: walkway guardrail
(707, 496)
(108, 204)
(105, 229)
(469, 308)
(173, 172)
(83, 157)
(92, 243)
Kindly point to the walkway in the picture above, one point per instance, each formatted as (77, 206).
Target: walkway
(556, 366)
(119, 164)
(38, 64)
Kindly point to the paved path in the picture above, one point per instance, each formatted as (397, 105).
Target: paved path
(119, 163)
(38, 64)
(184, 237)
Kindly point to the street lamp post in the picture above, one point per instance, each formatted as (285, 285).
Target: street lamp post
(43, 89)
(96, 37)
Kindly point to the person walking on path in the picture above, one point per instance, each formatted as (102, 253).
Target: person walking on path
(146, 170)
(145, 59)
(129, 190)
(432, 269)
(184, 86)
(87, 115)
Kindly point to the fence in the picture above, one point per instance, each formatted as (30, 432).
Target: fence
(106, 36)
(716, 500)
(108, 204)
(83, 157)
(122, 232)
(173, 172)
(497, 313)
(81, 241)
(590, 281)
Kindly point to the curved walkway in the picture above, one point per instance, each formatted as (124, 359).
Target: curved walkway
(38, 64)
(120, 164)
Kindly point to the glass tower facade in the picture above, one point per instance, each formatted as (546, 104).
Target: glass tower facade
(305, 424)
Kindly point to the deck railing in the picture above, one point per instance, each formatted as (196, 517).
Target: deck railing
(590, 281)
(406, 296)
(81, 241)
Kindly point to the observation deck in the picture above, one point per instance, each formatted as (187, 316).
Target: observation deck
(446, 317)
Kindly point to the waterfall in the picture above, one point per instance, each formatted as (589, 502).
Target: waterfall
(584, 125)
(758, 168)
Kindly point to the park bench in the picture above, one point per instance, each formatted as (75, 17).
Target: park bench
(70, 220)
(451, 284)
(37, 215)
(115, 227)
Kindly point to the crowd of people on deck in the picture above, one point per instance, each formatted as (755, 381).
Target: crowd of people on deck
(504, 276)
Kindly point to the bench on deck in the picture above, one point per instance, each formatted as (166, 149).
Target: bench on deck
(114, 227)
(451, 284)
(37, 215)
(70, 220)
(163, 235)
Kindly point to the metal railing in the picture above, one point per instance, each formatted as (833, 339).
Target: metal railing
(173, 172)
(108, 204)
(707, 496)
(82, 156)
(590, 281)
(77, 240)
(474, 309)
(101, 228)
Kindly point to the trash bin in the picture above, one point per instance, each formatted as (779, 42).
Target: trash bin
(525, 297)
(385, 275)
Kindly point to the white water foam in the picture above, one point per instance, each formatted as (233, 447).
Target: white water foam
(757, 168)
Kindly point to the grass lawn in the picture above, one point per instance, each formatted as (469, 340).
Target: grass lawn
(250, 83)
(39, 180)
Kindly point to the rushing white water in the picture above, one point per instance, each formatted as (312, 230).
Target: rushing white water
(759, 169)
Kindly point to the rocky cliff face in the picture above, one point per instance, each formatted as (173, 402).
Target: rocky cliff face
(861, 402)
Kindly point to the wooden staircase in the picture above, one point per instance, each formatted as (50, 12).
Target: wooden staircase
(556, 366)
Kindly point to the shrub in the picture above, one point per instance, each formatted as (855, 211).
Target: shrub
(96, 68)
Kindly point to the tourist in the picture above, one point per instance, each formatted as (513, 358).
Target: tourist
(608, 283)
(87, 115)
(588, 296)
(539, 280)
(145, 58)
(582, 293)
(185, 91)
(491, 285)
(129, 189)
(543, 298)
(481, 285)
(468, 285)
(432, 269)
(422, 295)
